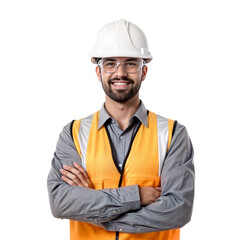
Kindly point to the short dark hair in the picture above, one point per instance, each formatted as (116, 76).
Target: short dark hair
(97, 59)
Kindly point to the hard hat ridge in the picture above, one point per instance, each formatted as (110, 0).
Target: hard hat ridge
(121, 39)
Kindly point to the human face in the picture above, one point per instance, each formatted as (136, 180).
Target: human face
(121, 86)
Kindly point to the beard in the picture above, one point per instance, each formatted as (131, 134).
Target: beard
(121, 95)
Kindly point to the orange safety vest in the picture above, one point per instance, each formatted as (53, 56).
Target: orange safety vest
(142, 168)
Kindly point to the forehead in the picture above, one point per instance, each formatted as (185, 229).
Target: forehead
(121, 58)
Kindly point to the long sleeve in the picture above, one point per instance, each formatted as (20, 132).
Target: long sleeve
(84, 204)
(174, 208)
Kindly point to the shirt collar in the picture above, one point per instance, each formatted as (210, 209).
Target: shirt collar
(141, 114)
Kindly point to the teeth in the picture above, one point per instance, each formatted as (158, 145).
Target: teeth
(120, 84)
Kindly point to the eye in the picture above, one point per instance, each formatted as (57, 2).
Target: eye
(131, 64)
(109, 64)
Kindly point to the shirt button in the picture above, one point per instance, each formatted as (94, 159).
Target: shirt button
(95, 220)
(120, 229)
(115, 211)
(121, 137)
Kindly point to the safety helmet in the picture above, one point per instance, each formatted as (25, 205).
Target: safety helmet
(121, 39)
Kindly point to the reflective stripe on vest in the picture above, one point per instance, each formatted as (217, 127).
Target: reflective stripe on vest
(92, 144)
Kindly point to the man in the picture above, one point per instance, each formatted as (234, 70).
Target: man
(122, 172)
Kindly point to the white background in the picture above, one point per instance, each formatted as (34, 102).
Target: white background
(47, 80)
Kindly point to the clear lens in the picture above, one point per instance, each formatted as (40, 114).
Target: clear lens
(130, 66)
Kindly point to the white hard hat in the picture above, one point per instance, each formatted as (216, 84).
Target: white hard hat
(121, 39)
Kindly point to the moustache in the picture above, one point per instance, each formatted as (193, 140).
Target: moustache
(121, 78)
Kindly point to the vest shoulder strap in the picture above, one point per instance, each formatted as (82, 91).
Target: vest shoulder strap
(75, 131)
(80, 133)
(166, 129)
(171, 129)
(170, 132)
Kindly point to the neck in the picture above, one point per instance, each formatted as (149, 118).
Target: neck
(122, 112)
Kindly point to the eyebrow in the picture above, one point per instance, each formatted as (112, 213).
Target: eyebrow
(132, 59)
(109, 59)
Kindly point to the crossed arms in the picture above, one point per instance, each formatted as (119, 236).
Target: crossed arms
(130, 208)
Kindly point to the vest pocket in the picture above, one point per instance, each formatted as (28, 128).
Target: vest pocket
(104, 183)
(151, 181)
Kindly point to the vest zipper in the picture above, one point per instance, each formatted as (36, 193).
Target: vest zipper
(124, 162)
(117, 236)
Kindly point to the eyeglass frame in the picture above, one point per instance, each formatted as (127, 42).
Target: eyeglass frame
(100, 64)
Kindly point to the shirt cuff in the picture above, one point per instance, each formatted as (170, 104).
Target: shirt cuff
(130, 198)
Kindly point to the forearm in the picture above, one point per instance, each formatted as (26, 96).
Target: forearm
(174, 208)
(84, 204)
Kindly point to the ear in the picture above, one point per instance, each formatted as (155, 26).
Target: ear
(98, 73)
(144, 72)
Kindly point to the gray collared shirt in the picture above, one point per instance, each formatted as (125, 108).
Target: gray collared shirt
(120, 140)
(119, 209)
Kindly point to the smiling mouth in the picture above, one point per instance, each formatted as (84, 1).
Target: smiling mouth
(120, 86)
(120, 83)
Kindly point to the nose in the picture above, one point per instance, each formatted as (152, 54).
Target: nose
(121, 70)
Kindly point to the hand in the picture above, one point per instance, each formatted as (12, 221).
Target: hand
(75, 176)
(149, 194)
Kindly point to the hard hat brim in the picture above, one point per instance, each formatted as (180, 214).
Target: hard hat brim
(146, 58)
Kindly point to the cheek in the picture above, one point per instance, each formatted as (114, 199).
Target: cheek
(105, 78)
(139, 78)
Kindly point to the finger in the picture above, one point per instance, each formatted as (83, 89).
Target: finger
(158, 194)
(72, 177)
(84, 172)
(80, 168)
(67, 180)
(158, 188)
(78, 176)
(71, 169)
